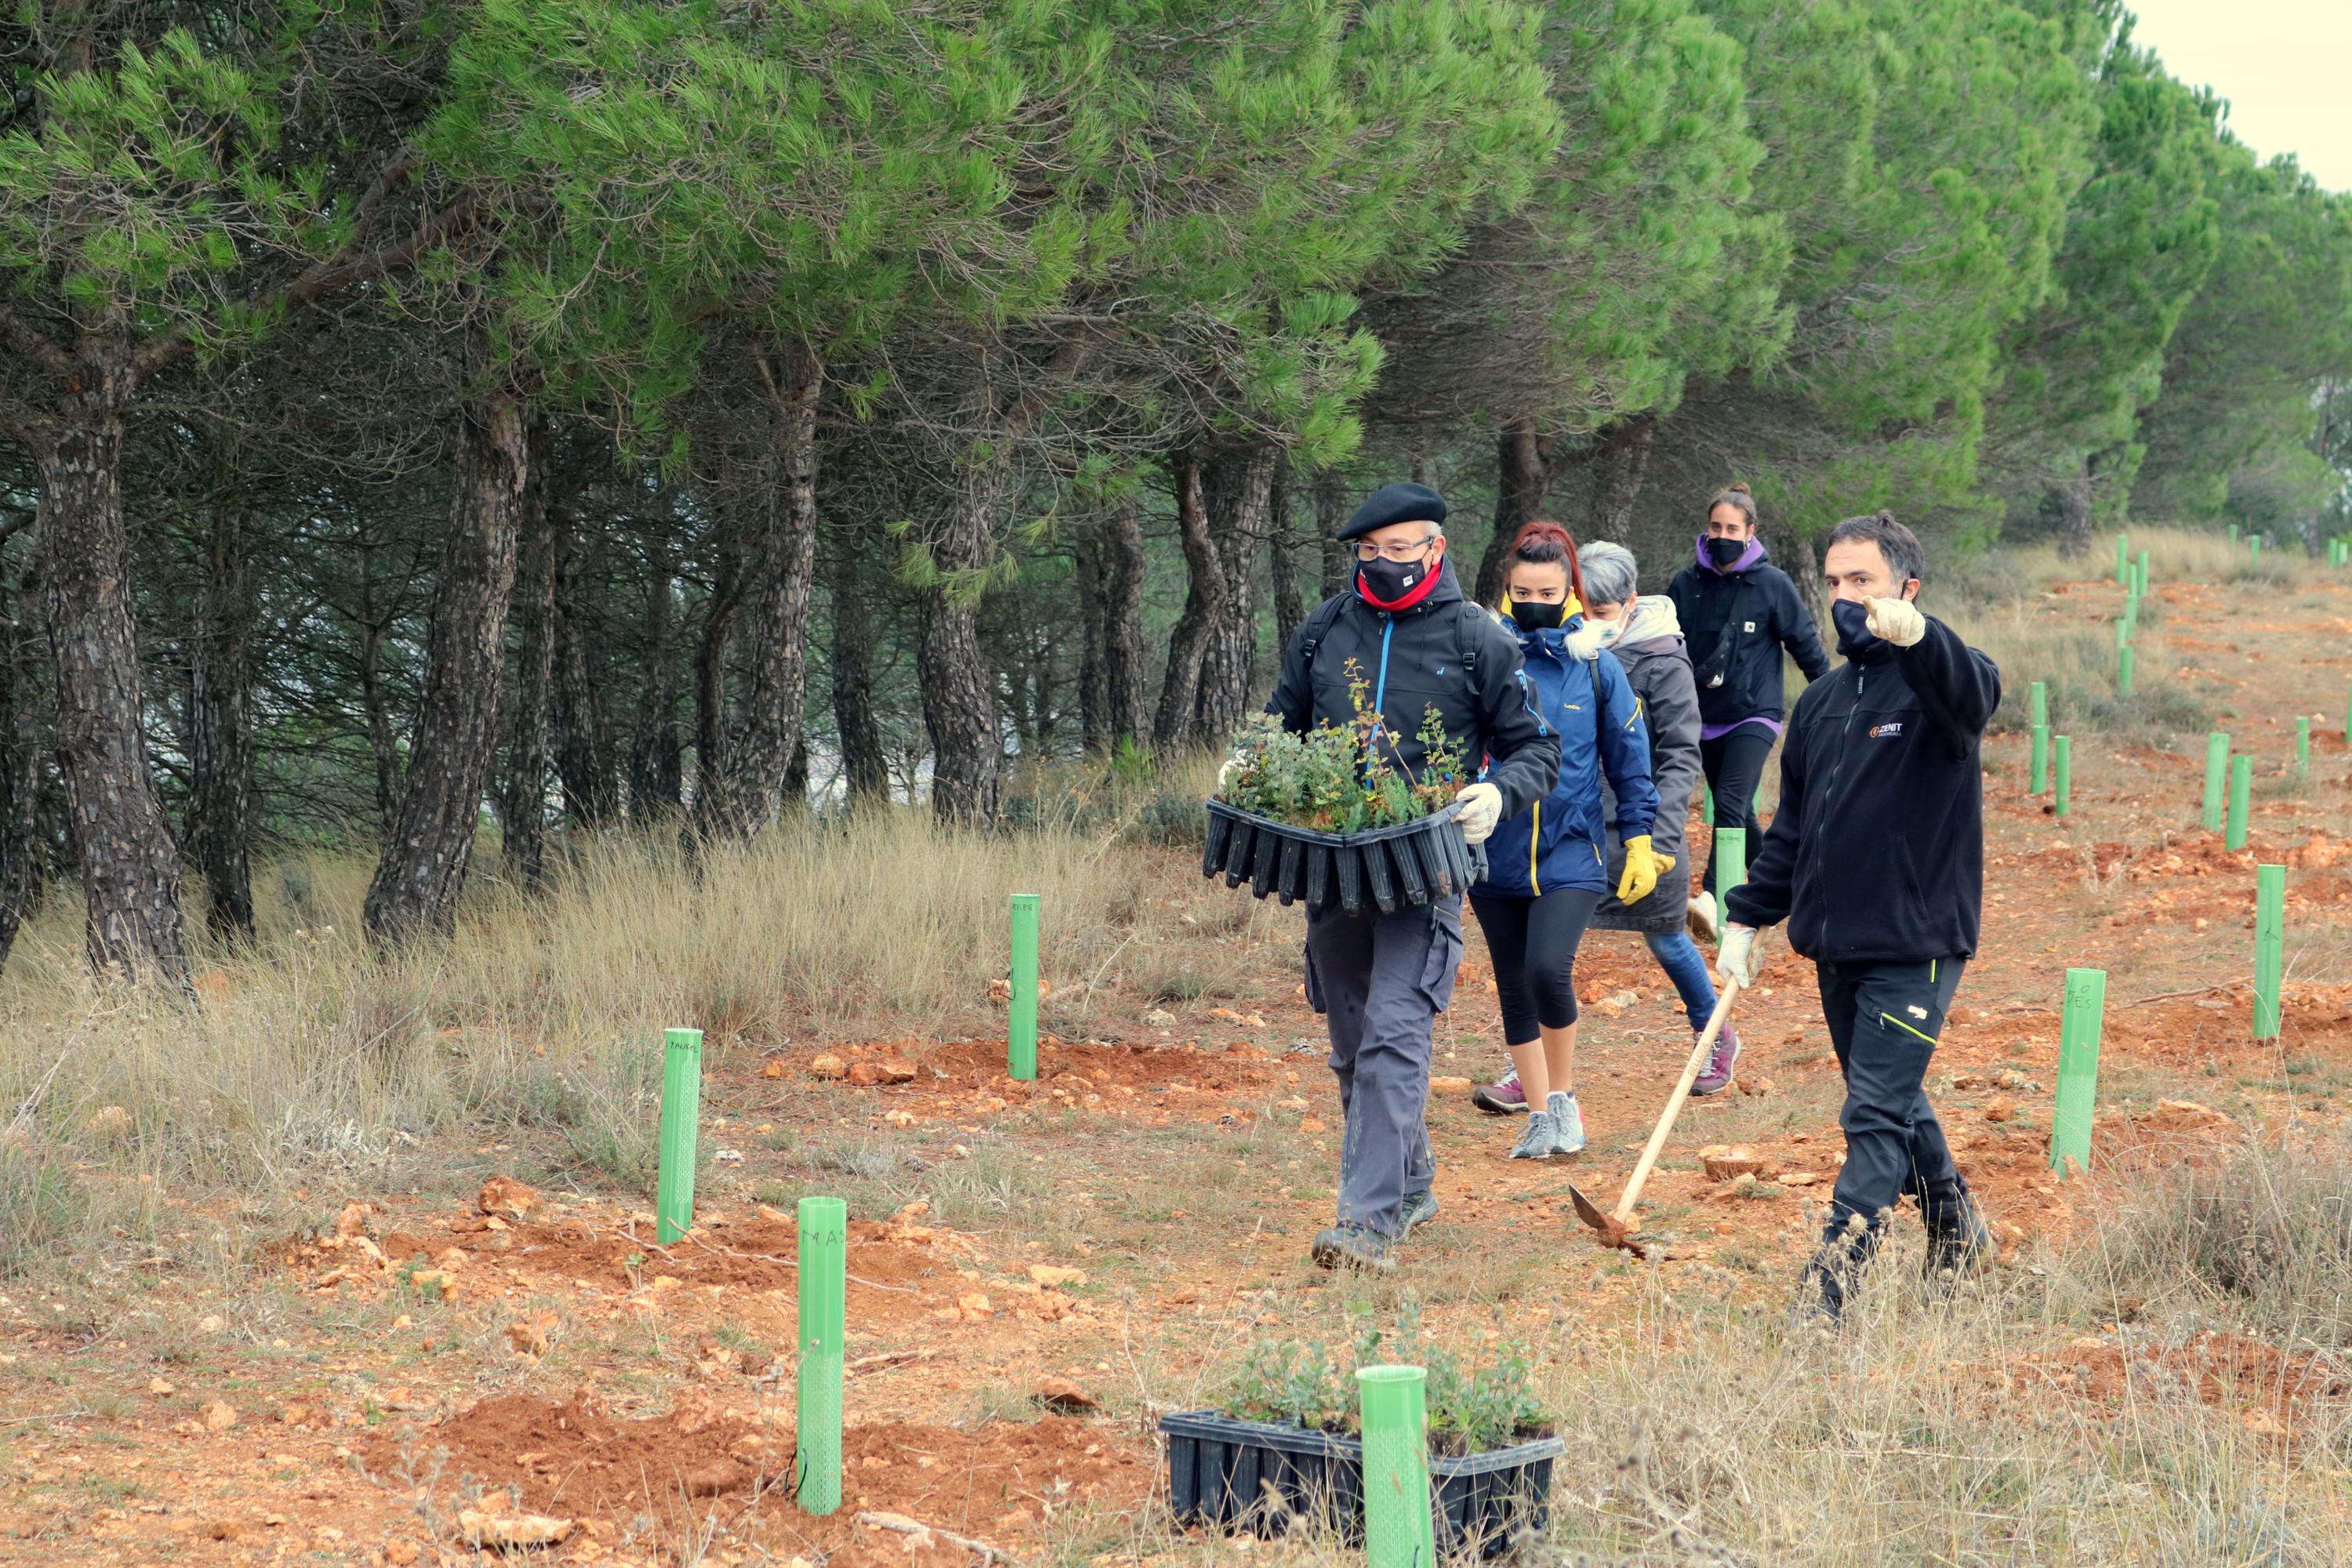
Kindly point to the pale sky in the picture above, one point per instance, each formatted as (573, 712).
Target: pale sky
(2284, 66)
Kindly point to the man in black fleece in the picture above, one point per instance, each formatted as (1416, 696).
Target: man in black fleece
(1875, 858)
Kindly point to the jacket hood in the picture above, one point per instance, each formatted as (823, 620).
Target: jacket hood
(1753, 555)
(1652, 621)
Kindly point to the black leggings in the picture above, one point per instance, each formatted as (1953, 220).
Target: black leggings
(1734, 765)
(1533, 944)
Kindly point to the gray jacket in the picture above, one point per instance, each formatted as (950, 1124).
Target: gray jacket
(1658, 666)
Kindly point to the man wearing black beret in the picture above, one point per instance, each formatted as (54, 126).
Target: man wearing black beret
(1380, 980)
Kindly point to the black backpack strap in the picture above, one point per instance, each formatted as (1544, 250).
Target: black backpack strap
(1468, 629)
(1316, 627)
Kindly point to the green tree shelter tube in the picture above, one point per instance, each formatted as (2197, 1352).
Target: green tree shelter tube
(2078, 1068)
(2217, 776)
(1020, 1039)
(2242, 780)
(2041, 758)
(2270, 941)
(823, 1260)
(1398, 1530)
(2063, 794)
(681, 1117)
(1730, 862)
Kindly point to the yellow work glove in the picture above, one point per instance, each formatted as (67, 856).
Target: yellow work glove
(1643, 865)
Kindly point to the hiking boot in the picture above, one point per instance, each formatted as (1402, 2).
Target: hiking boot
(1352, 1247)
(1567, 1122)
(1504, 1097)
(1537, 1139)
(1958, 1240)
(1701, 917)
(1716, 1075)
(1825, 1292)
(1420, 1208)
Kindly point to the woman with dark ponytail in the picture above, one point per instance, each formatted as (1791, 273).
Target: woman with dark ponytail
(1737, 612)
(1547, 867)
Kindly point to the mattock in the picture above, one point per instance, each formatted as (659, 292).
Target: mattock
(1618, 1226)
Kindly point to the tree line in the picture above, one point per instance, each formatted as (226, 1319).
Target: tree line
(680, 414)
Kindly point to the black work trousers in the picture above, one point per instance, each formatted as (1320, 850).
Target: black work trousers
(1884, 1019)
(1734, 766)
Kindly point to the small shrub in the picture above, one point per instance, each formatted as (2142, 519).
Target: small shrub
(1471, 1408)
(1337, 778)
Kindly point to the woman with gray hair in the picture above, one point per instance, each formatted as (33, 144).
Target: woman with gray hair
(1649, 643)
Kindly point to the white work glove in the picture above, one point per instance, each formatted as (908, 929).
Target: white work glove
(1482, 807)
(1225, 776)
(1587, 640)
(1735, 956)
(1897, 620)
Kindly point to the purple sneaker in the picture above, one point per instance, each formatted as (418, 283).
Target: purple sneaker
(1502, 1098)
(1721, 1063)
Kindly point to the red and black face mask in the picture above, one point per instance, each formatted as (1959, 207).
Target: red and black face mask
(1394, 585)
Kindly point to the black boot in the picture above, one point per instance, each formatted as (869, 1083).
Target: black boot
(1958, 1241)
(1829, 1285)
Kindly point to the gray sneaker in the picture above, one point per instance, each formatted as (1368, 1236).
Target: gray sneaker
(1722, 1063)
(1538, 1140)
(1567, 1122)
(1420, 1208)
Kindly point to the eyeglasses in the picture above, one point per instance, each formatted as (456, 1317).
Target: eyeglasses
(1396, 552)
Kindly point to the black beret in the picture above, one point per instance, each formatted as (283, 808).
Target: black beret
(1402, 503)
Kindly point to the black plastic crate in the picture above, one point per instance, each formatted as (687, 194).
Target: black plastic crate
(1262, 1479)
(1415, 862)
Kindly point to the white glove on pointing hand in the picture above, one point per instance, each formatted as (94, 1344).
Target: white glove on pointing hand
(1735, 957)
(1225, 774)
(1897, 620)
(1482, 807)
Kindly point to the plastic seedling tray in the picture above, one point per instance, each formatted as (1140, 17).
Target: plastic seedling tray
(1262, 1479)
(1415, 862)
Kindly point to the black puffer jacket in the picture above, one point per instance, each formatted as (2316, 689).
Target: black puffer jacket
(1876, 853)
(1759, 605)
(1414, 660)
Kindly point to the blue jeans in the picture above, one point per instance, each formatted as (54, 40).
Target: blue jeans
(1679, 957)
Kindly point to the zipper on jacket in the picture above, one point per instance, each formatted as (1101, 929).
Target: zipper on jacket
(1829, 796)
(1535, 847)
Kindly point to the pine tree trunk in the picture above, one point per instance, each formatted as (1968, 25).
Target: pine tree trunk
(1289, 589)
(959, 695)
(1188, 645)
(2075, 511)
(1330, 514)
(522, 802)
(20, 757)
(1620, 466)
(1521, 479)
(711, 769)
(782, 561)
(220, 728)
(423, 869)
(1093, 675)
(130, 867)
(1127, 656)
(654, 780)
(1239, 489)
(584, 752)
(862, 761)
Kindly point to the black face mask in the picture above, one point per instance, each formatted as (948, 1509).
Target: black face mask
(1724, 552)
(1534, 617)
(1853, 618)
(1388, 581)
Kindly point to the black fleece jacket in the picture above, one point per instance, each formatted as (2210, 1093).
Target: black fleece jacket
(1758, 604)
(1876, 853)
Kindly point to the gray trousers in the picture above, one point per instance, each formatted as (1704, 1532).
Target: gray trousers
(1380, 981)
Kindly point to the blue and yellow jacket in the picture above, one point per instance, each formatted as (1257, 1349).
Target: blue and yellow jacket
(1557, 842)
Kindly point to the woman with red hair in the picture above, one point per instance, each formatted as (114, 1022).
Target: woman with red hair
(1547, 868)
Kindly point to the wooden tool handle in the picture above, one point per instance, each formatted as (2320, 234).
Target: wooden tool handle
(1707, 1037)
